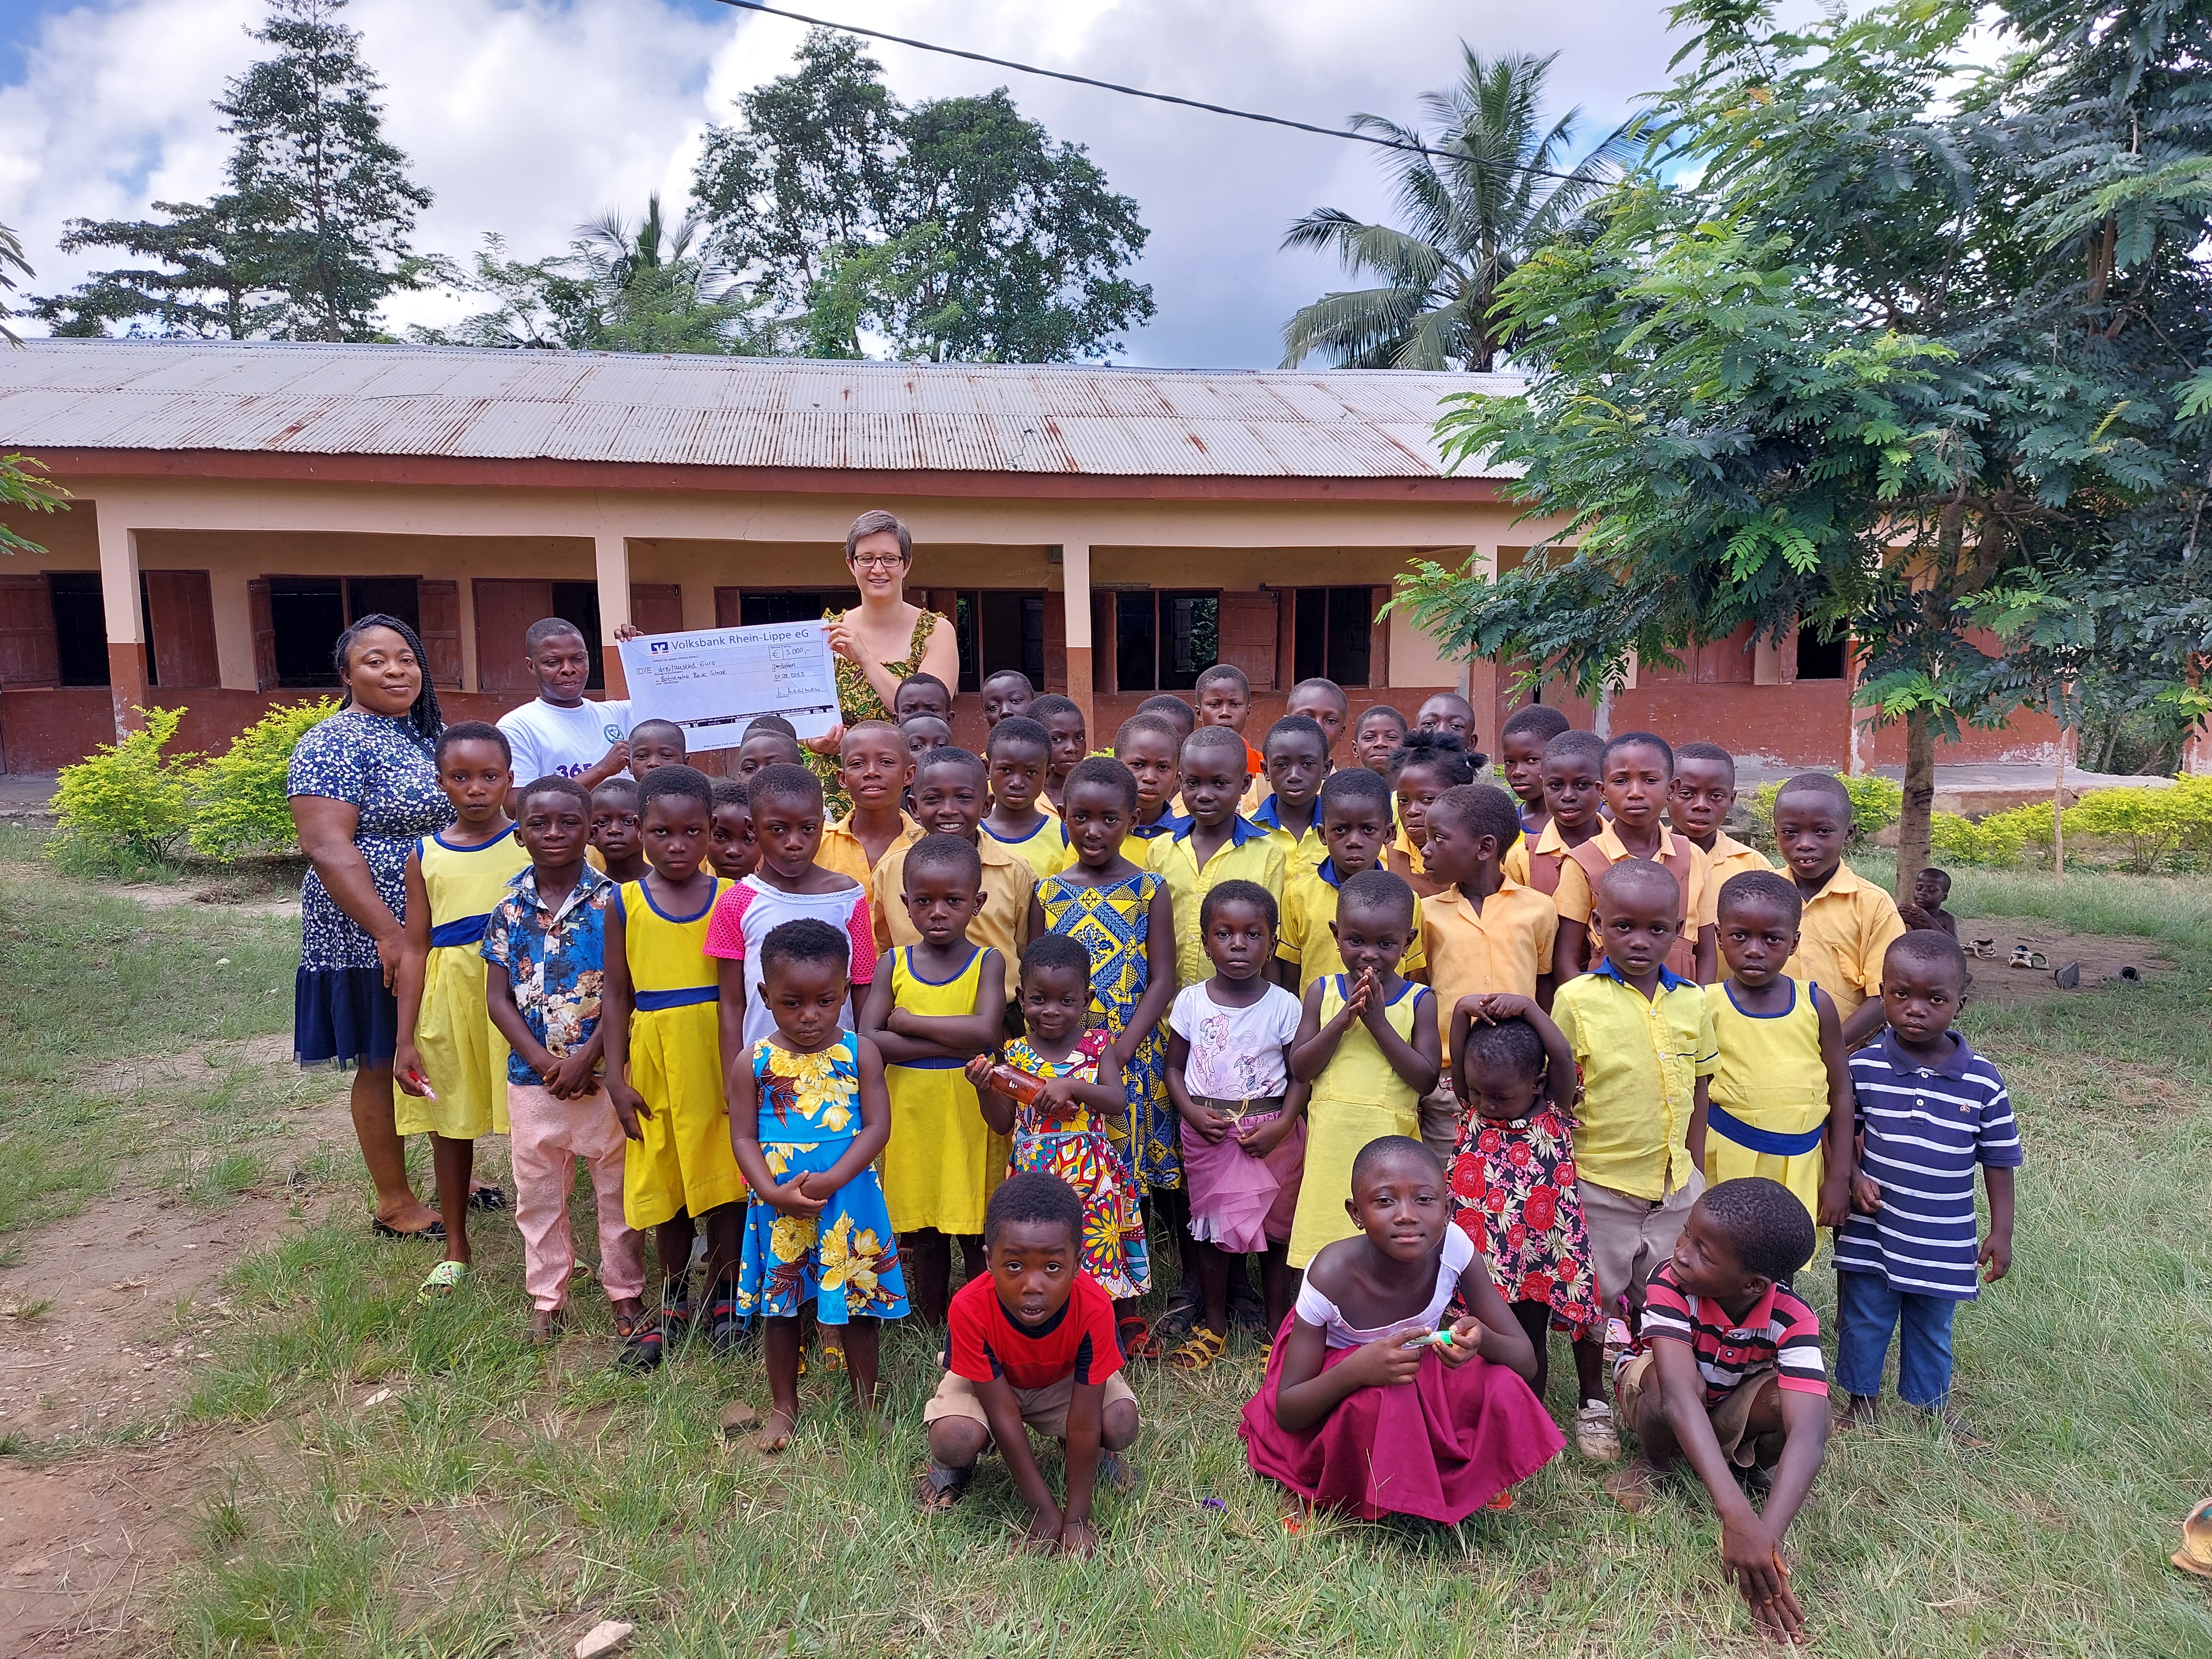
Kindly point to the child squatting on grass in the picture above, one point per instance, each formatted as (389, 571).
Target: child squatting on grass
(1728, 1375)
(1032, 1346)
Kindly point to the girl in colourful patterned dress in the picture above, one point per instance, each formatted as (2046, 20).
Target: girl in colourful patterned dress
(1058, 1133)
(1513, 1190)
(1122, 915)
(808, 1114)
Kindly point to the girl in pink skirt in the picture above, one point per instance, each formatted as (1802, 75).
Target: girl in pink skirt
(1366, 1408)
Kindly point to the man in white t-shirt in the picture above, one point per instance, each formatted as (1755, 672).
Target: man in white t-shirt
(559, 731)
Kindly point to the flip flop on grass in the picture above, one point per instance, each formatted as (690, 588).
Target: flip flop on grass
(444, 1278)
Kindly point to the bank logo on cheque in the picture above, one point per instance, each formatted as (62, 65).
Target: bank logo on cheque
(659, 647)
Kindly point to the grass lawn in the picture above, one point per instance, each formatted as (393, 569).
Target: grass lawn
(501, 1499)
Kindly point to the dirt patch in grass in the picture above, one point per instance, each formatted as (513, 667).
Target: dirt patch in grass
(2101, 956)
(237, 895)
(87, 1547)
(107, 1313)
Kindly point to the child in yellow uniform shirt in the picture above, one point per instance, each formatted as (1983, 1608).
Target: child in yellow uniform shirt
(1697, 805)
(1849, 924)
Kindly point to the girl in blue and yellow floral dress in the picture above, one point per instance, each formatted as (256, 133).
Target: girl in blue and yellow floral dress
(1061, 1132)
(808, 1117)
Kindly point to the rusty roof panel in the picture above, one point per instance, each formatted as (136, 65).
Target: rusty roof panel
(720, 411)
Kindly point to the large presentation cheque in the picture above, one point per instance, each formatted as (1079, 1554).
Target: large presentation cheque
(716, 682)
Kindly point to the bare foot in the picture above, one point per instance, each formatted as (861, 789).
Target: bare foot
(542, 1321)
(412, 1217)
(1859, 1414)
(1632, 1487)
(773, 1439)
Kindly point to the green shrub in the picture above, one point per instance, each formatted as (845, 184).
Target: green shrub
(1962, 841)
(1876, 803)
(239, 798)
(128, 805)
(2147, 825)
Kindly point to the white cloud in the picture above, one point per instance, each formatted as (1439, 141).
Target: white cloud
(528, 116)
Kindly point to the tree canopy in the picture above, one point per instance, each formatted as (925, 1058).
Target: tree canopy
(1919, 356)
(957, 230)
(312, 236)
(1477, 197)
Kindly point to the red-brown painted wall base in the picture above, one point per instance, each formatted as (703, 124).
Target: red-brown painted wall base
(1807, 724)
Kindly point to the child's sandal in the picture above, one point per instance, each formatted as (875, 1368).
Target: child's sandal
(1138, 1340)
(1199, 1351)
(444, 1278)
(941, 1488)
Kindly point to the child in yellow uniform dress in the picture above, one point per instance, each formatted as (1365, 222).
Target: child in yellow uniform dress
(1781, 1102)
(664, 1062)
(450, 1061)
(940, 1005)
(1368, 1043)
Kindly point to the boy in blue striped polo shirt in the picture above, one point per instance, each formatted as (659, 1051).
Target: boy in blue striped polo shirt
(1930, 1110)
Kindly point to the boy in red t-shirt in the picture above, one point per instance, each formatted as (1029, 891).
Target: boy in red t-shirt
(1031, 1345)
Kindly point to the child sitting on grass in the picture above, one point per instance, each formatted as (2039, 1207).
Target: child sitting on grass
(1513, 1192)
(1062, 719)
(1006, 692)
(1521, 751)
(1930, 889)
(1929, 1110)
(1366, 1408)
(664, 1062)
(1849, 924)
(1032, 1346)
(544, 952)
(1367, 1043)
(616, 835)
(655, 743)
(732, 850)
(1061, 1132)
(450, 1055)
(1020, 754)
(1781, 1100)
(1243, 1129)
(808, 1116)
(1727, 1376)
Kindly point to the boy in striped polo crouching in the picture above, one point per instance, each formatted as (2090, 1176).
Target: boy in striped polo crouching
(1928, 1110)
(1727, 1376)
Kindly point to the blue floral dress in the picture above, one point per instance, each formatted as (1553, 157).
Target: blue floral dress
(845, 1260)
(1113, 921)
(341, 1011)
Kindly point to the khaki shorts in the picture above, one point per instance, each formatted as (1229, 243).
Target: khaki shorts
(1043, 1409)
(1730, 1419)
(1630, 1236)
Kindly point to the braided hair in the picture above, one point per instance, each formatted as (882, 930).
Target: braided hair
(425, 716)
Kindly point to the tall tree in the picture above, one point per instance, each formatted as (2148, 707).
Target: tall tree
(1898, 364)
(312, 236)
(1474, 207)
(958, 230)
(621, 287)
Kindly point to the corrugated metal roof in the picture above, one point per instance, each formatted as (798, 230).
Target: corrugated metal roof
(720, 411)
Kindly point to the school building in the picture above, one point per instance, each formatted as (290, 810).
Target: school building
(1109, 531)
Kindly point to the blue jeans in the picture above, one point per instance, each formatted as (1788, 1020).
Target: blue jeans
(1867, 1311)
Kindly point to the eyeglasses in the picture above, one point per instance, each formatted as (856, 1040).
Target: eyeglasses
(878, 561)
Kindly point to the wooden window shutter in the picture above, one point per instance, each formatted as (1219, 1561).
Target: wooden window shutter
(1055, 643)
(1105, 668)
(181, 611)
(1378, 640)
(504, 609)
(657, 607)
(30, 652)
(265, 634)
(1249, 636)
(729, 607)
(438, 611)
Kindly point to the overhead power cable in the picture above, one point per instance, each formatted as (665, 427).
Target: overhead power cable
(1352, 133)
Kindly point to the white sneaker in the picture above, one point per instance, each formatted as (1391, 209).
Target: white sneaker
(1596, 1436)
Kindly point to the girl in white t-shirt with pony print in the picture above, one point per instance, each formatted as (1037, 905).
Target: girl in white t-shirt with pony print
(1243, 1133)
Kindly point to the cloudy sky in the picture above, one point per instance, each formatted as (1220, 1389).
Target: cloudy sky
(527, 116)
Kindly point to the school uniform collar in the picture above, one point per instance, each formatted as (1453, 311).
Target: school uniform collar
(1269, 815)
(1452, 895)
(1326, 871)
(907, 830)
(1952, 1066)
(524, 883)
(1844, 882)
(1241, 829)
(1609, 839)
(1725, 846)
(1169, 822)
(992, 850)
(1668, 979)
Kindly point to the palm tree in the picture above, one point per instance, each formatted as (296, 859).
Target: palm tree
(1477, 204)
(655, 294)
